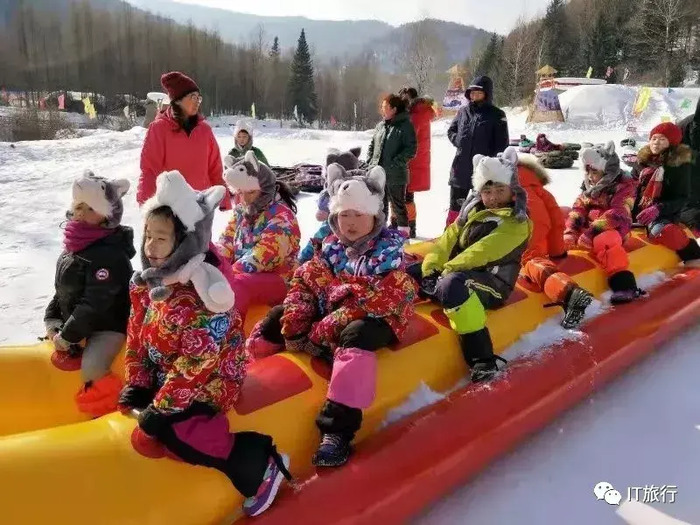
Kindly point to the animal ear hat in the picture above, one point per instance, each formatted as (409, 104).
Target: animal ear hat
(102, 195)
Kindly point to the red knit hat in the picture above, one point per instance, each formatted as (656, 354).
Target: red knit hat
(177, 84)
(673, 133)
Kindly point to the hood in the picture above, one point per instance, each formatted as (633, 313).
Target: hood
(674, 156)
(530, 172)
(398, 118)
(485, 84)
(421, 106)
(122, 237)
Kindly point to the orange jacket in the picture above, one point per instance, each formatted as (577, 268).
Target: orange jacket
(548, 220)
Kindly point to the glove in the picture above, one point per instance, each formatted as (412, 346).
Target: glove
(152, 421)
(429, 283)
(60, 344)
(431, 264)
(585, 241)
(304, 344)
(648, 215)
(138, 397)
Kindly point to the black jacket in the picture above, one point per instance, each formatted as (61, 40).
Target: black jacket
(691, 136)
(92, 287)
(478, 128)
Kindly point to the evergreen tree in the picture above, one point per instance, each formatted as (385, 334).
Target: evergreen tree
(300, 88)
(275, 51)
(489, 60)
(599, 46)
(557, 38)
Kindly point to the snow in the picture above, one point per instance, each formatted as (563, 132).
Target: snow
(639, 430)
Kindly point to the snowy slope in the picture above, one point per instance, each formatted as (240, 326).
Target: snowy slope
(620, 436)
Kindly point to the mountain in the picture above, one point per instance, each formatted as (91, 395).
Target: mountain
(327, 38)
(459, 42)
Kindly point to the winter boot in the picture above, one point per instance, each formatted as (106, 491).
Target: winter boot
(277, 471)
(477, 349)
(624, 287)
(333, 451)
(575, 304)
(100, 397)
(690, 255)
(412, 226)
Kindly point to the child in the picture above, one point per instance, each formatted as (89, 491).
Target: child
(261, 241)
(349, 300)
(350, 161)
(91, 302)
(475, 264)
(243, 142)
(664, 170)
(539, 272)
(185, 360)
(601, 219)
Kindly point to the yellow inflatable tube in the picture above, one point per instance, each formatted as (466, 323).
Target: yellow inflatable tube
(89, 472)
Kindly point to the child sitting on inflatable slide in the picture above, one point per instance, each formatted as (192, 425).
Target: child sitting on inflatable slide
(91, 302)
(475, 263)
(185, 359)
(349, 300)
(664, 171)
(601, 219)
(350, 161)
(261, 241)
(539, 271)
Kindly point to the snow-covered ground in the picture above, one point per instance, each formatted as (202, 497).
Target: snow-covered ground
(638, 431)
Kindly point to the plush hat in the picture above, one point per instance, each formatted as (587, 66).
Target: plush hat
(242, 125)
(500, 170)
(248, 174)
(196, 212)
(362, 192)
(177, 85)
(673, 133)
(102, 195)
(600, 158)
(349, 160)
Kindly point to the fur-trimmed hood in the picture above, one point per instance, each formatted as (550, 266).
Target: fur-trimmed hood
(673, 157)
(534, 173)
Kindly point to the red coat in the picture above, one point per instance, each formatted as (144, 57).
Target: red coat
(168, 147)
(422, 114)
(547, 219)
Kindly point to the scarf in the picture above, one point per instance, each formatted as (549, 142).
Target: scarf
(651, 181)
(355, 249)
(79, 235)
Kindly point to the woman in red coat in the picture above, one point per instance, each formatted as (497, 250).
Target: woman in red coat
(180, 139)
(421, 113)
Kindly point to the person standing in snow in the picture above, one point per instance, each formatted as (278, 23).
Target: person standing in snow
(91, 302)
(185, 361)
(422, 114)
(479, 128)
(180, 139)
(243, 137)
(691, 137)
(392, 147)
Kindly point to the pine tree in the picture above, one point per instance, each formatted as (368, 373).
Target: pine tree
(488, 62)
(275, 51)
(599, 46)
(301, 88)
(557, 38)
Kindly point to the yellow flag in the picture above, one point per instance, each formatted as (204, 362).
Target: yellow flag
(642, 101)
(590, 72)
(665, 118)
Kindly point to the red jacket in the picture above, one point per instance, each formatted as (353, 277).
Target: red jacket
(547, 219)
(421, 114)
(168, 147)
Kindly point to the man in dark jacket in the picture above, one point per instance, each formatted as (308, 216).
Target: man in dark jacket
(478, 128)
(393, 145)
(691, 136)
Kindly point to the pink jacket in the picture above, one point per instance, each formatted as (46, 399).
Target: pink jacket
(168, 147)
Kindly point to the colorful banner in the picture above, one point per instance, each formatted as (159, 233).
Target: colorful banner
(547, 100)
(642, 101)
(252, 109)
(333, 121)
(454, 99)
(61, 102)
(686, 103)
(89, 108)
(589, 72)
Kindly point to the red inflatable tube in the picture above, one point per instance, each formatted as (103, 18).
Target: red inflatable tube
(402, 469)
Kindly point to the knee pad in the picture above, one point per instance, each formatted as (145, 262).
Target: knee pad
(468, 317)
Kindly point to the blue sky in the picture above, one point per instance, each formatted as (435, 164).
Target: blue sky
(492, 15)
